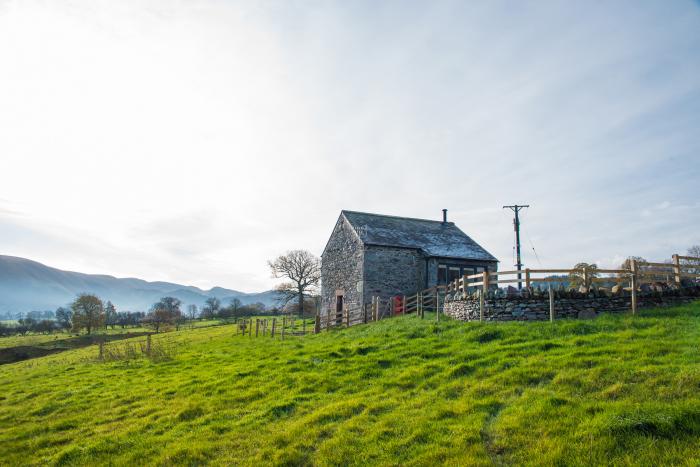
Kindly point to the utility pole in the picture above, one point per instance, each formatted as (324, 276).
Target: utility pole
(516, 225)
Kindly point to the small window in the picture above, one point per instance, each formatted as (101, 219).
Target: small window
(453, 274)
(442, 274)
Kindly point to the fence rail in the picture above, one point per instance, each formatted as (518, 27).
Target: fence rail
(643, 271)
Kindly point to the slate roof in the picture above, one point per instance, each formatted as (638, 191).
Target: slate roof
(434, 238)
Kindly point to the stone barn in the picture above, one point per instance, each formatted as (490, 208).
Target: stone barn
(372, 254)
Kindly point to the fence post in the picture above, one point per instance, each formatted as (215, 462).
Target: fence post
(485, 281)
(274, 324)
(527, 277)
(585, 278)
(102, 350)
(148, 345)
(481, 305)
(257, 326)
(551, 304)
(328, 320)
(677, 269)
(317, 323)
(346, 312)
(437, 306)
(633, 268)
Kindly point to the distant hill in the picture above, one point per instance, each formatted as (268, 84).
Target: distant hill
(26, 285)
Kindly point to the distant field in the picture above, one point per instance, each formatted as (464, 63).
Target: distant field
(615, 390)
(34, 339)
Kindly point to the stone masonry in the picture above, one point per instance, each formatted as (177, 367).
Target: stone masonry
(535, 307)
(392, 271)
(342, 266)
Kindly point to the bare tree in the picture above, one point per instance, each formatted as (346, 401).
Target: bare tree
(576, 278)
(211, 308)
(110, 314)
(693, 251)
(164, 312)
(88, 312)
(303, 270)
(627, 264)
(192, 311)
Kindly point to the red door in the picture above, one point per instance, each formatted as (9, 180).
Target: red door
(398, 305)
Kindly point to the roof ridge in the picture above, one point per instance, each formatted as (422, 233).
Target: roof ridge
(395, 217)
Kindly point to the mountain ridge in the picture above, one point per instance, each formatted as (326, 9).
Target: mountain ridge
(27, 285)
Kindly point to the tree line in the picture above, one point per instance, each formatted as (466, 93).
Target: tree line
(576, 279)
(88, 313)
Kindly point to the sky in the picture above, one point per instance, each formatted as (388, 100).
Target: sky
(192, 141)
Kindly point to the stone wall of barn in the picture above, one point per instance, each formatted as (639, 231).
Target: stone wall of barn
(342, 266)
(392, 271)
(566, 305)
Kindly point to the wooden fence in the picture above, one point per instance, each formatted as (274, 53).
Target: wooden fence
(282, 327)
(639, 272)
(431, 300)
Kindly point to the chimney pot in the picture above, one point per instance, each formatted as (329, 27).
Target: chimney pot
(444, 215)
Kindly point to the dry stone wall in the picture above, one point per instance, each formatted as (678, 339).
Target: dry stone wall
(535, 307)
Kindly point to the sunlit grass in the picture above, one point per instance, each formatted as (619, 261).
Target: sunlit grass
(37, 338)
(615, 390)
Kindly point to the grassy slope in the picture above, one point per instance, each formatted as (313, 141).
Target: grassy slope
(403, 391)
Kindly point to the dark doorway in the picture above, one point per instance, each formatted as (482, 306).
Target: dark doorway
(339, 309)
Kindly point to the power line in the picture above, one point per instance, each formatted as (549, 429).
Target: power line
(516, 225)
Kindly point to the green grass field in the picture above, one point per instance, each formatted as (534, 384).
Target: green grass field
(616, 390)
(37, 339)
